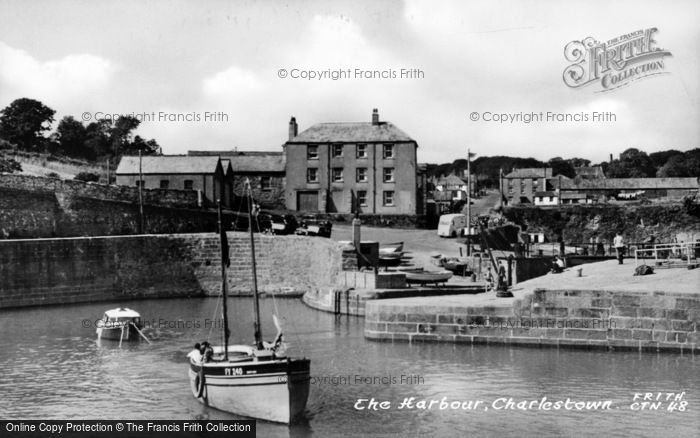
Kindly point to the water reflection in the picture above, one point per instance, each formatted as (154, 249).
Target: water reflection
(55, 368)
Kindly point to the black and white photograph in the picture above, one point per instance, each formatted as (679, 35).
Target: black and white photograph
(336, 218)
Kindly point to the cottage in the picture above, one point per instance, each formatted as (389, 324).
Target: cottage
(520, 185)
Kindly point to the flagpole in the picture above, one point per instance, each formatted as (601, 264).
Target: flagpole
(469, 203)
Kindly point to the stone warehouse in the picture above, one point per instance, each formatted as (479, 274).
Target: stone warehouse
(359, 167)
(206, 175)
(264, 170)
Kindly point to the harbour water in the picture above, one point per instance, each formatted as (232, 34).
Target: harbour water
(53, 368)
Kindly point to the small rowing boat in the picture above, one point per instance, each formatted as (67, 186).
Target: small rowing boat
(120, 324)
(390, 248)
(421, 276)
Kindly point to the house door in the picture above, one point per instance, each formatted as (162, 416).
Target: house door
(307, 201)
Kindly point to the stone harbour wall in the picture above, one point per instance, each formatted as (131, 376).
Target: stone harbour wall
(92, 269)
(657, 321)
(33, 207)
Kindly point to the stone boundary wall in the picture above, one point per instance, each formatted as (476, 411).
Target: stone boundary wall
(74, 188)
(656, 321)
(70, 270)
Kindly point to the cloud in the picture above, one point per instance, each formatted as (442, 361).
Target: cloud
(234, 81)
(55, 82)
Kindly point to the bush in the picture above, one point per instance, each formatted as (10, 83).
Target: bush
(53, 175)
(87, 177)
(9, 165)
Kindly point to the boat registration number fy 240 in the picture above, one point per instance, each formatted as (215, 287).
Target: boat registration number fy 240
(233, 371)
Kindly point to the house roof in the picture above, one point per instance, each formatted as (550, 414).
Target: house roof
(451, 180)
(629, 184)
(226, 164)
(590, 172)
(356, 132)
(258, 163)
(248, 161)
(168, 164)
(547, 193)
(531, 172)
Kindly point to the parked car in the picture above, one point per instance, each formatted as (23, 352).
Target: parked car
(311, 225)
(277, 223)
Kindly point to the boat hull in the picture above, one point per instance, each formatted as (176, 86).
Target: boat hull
(419, 276)
(275, 390)
(115, 334)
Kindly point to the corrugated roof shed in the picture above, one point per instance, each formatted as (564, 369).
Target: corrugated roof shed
(358, 132)
(167, 164)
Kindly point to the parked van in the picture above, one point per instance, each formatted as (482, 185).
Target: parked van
(452, 225)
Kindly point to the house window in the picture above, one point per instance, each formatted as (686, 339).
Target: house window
(312, 152)
(337, 174)
(312, 175)
(139, 183)
(361, 151)
(522, 185)
(265, 183)
(189, 184)
(362, 198)
(388, 198)
(361, 174)
(388, 174)
(337, 150)
(388, 151)
(164, 183)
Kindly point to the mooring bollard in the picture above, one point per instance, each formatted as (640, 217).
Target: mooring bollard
(578, 272)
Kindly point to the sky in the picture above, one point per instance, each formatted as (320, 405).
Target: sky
(216, 66)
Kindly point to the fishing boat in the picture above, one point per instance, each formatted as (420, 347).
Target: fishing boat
(120, 324)
(258, 380)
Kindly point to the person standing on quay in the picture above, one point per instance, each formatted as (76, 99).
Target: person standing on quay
(619, 245)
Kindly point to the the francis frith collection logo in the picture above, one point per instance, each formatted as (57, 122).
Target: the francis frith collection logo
(616, 62)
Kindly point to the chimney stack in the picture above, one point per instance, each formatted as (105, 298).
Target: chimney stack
(293, 128)
(611, 160)
(375, 116)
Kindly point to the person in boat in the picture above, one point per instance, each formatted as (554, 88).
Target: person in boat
(207, 352)
(196, 354)
(275, 345)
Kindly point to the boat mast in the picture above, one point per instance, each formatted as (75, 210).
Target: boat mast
(258, 333)
(224, 260)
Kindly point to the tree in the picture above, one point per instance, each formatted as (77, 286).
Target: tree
(561, 167)
(72, 136)
(680, 166)
(120, 134)
(149, 147)
(579, 162)
(658, 159)
(97, 140)
(633, 163)
(24, 121)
